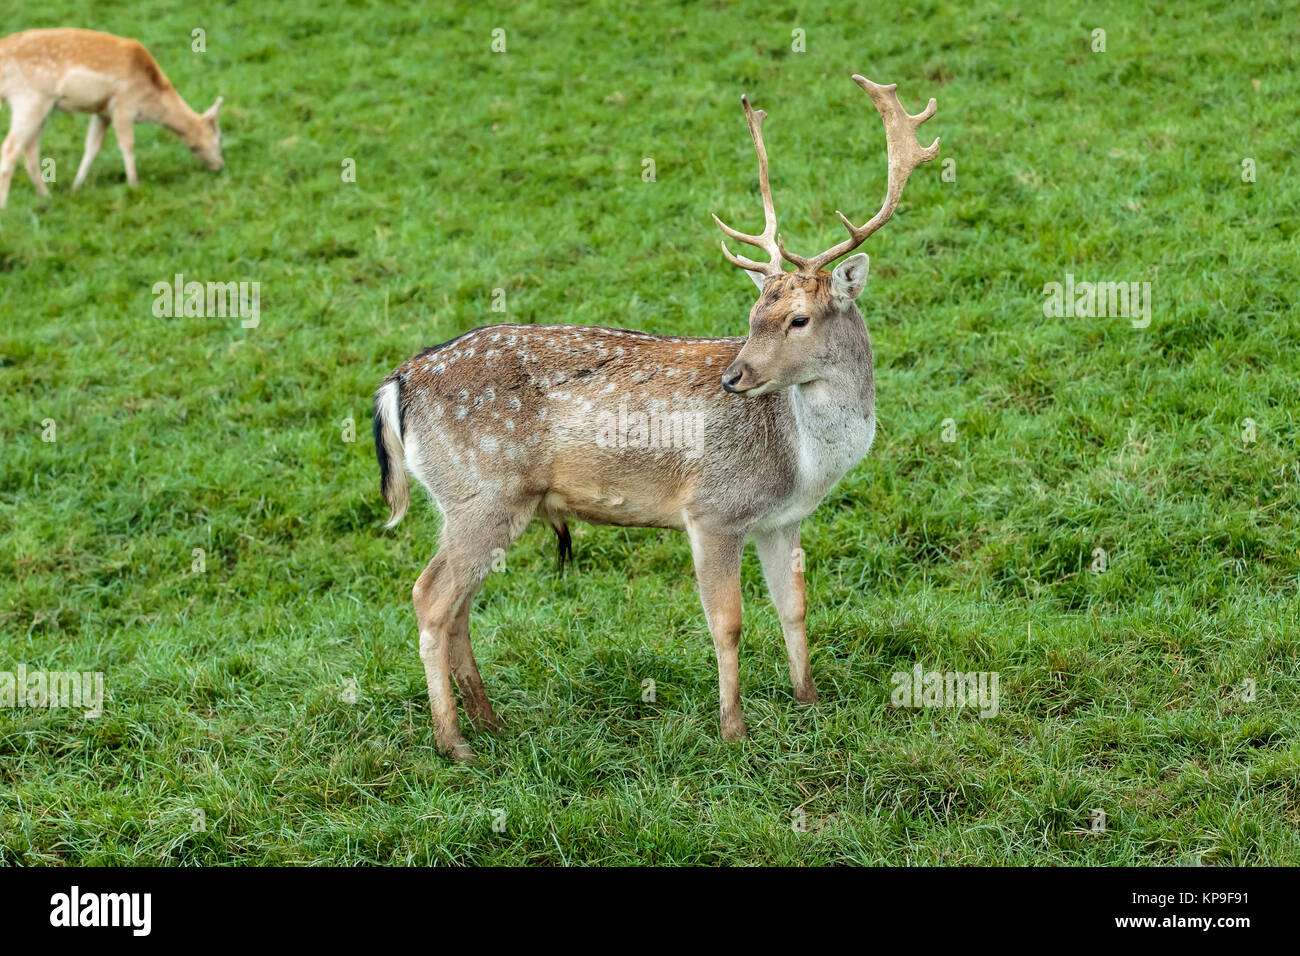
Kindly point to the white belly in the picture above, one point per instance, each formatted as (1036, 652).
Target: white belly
(80, 90)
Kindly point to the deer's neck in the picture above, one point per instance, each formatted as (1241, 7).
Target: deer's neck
(835, 418)
(834, 425)
(843, 400)
(170, 111)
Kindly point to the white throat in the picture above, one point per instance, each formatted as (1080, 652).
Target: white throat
(834, 432)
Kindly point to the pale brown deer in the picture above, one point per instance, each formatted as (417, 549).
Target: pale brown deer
(724, 439)
(113, 79)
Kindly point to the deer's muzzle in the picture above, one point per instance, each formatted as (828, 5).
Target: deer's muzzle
(739, 378)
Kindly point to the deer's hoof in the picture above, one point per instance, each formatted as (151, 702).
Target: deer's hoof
(733, 732)
(487, 723)
(479, 712)
(462, 753)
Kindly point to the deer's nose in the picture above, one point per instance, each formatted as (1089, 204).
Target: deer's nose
(732, 376)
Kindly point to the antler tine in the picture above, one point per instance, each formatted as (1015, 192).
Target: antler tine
(766, 240)
(905, 154)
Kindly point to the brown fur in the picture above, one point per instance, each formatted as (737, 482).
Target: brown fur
(148, 67)
(122, 57)
(583, 361)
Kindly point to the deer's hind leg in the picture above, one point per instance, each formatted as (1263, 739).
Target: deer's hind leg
(27, 117)
(443, 594)
(32, 160)
(473, 695)
(717, 553)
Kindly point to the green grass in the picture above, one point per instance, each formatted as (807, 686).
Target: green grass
(1119, 690)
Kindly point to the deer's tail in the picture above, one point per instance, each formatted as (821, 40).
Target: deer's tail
(393, 480)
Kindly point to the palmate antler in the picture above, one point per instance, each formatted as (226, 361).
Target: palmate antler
(905, 154)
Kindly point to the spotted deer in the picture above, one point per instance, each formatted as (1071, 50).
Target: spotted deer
(113, 79)
(568, 422)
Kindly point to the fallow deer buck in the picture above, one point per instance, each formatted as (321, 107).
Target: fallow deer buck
(83, 71)
(509, 421)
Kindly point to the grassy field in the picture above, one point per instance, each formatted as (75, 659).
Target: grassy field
(271, 708)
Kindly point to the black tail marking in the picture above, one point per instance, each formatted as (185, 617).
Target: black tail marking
(564, 545)
(381, 453)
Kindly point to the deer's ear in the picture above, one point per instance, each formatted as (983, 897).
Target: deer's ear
(850, 277)
(211, 113)
(758, 278)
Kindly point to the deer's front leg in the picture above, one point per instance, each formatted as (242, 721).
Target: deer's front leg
(124, 130)
(32, 160)
(94, 141)
(782, 560)
(717, 570)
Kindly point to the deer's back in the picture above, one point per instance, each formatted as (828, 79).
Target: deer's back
(83, 69)
(606, 425)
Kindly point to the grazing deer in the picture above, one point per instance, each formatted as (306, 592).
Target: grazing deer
(509, 421)
(112, 78)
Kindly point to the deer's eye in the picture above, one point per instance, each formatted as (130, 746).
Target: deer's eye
(799, 321)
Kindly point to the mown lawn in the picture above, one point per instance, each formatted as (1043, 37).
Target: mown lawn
(279, 690)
